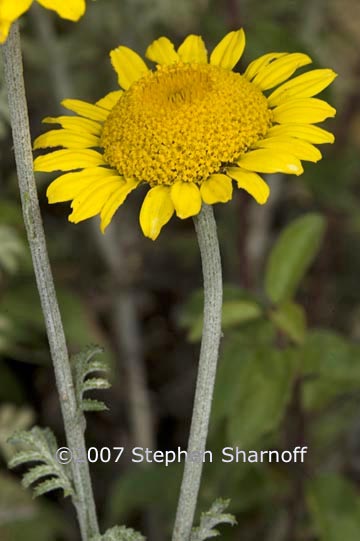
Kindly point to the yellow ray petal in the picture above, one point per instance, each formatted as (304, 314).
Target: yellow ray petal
(253, 183)
(67, 139)
(70, 185)
(280, 69)
(193, 49)
(68, 160)
(110, 100)
(269, 161)
(301, 149)
(128, 65)
(4, 30)
(68, 9)
(307, 132)
(90, 202)
(156, 211)
(306, 85)
(216, 189)
(89, 190)
(257, 65)
(228, 52)
(114, 202)
(10, 10)
(186, 198)
(75, 123)
(303, 110)
(87, 110)
(162, 51)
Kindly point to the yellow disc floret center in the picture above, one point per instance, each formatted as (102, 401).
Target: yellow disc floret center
(183, 122)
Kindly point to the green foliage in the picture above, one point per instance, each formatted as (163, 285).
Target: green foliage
(11, 249)
(335, 505)
(241, 311)
(25, 326)
(5, 327)
(119, 533)
(330, 355)
(13, 419)
(19, 513)
(292, 255)
(141, 487)
(266, 390)
(84, 364)
(331, 364)
(11, 216)
(211, 519)
(39, 445)
(11, 388)
(238, 307)
(287, 264)
(290, 318)
(25, 329)
(247, 485)
(80, 328)
(260, 390)
(326, 362)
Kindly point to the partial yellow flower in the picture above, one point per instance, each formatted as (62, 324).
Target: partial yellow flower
(187, 129)
(11, 10)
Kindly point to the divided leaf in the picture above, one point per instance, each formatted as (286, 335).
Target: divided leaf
(212, 518)
(36, 473)
(39, 445)
(84, 364)
(119, 533)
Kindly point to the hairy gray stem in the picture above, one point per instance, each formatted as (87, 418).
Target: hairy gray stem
(205, 226)
(74, 421)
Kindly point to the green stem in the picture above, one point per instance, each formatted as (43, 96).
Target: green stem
(205, 226)
(73, 421)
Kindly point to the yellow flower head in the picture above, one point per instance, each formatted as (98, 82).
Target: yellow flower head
(187, 129)
(10, 10)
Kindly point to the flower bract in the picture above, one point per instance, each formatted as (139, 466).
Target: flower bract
(188, 129)
(11, 10)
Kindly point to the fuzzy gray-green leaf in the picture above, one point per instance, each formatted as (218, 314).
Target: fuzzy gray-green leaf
(22, 457)
(39, 445)
(36, 473)
(85, 363)
(211, 519)
(97, 365)
(119, 533)
(88, 404)
(92, 384)
(50, 484)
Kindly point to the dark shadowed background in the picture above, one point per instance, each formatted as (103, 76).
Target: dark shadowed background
(289, 371)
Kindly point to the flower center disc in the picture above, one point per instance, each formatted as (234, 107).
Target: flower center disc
(183, 122)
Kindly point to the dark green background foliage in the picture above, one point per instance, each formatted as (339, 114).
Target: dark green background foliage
(289, 372)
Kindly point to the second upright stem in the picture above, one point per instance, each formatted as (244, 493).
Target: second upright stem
(73, 421)
(205, 226)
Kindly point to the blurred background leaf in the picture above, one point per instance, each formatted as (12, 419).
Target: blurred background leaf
(289, 367)
(335, 506)
(291, 256)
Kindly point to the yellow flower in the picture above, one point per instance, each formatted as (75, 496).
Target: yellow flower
(10, 10)
(187, 129)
